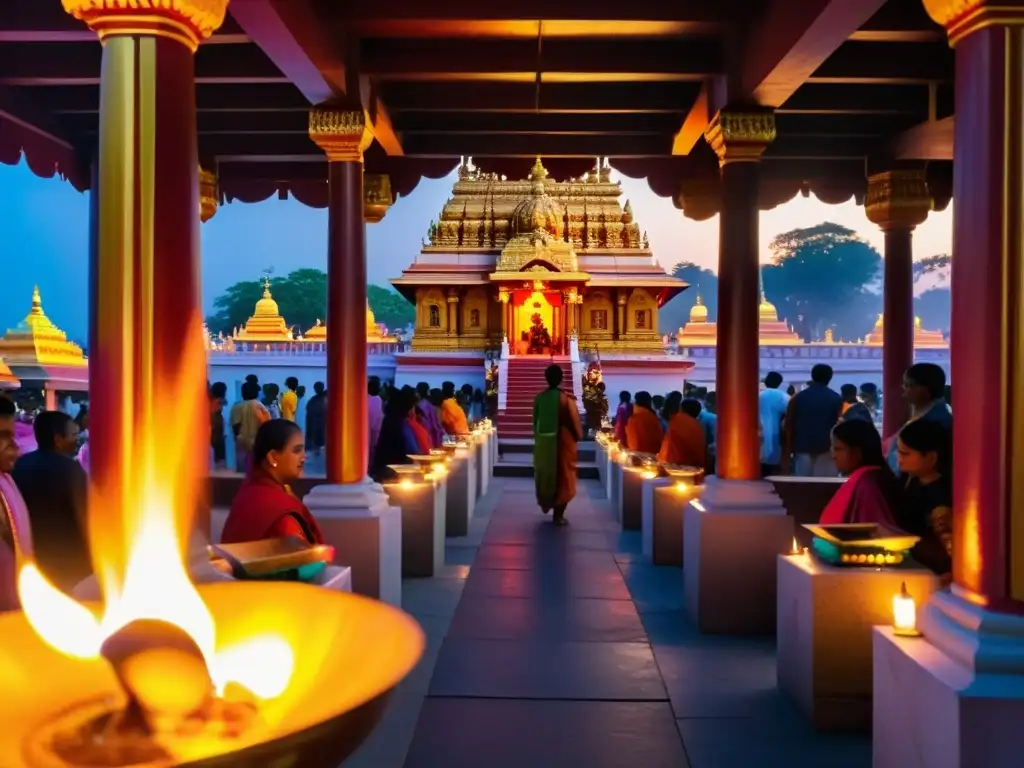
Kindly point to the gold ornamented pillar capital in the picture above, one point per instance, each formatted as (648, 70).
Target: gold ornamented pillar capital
(187, 21)
(897, 199)
(739, 136)
(343, 134)
(962, 17)
(209, 194)
(503, 295)
(377, 197)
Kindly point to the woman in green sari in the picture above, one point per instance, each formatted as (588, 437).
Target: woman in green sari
(556, 430)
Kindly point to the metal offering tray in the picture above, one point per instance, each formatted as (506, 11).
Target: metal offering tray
(861, 544)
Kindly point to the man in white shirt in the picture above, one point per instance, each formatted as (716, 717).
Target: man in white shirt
(772, 403)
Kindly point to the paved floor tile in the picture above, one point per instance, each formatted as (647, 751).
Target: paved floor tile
(549, 618)
(431, 597)
(545, 734)
(654, 588)
(523, 583)
(514, 669)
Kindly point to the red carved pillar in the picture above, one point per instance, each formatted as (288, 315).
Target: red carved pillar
(146, 347)
(987, 283)
(897, 201)
(344, 135)
(738, 139)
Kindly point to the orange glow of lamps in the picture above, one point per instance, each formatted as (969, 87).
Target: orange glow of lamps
(904, 613)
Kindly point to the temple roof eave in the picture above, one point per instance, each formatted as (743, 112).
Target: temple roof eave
(548, 277)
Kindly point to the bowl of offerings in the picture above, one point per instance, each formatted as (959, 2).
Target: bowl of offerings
(682, 473)
(861, 544)
(426, 461)
(409, 471)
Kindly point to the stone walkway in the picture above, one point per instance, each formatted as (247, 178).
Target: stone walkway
(557, 647)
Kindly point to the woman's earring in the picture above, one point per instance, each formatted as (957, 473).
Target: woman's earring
(273, 464)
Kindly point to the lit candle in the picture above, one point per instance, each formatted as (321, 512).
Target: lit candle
(904, 613)
(796, 547)
(682, 487)
(406, 483)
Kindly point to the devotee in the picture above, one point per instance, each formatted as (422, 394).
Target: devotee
(924, 387)
(643, 430)
(811, 414)
(415, 420)
(556, 431)
(55, 488)
(374, 411)
(465, 397)
(923, 449)
(453, 418)
(869, 397)
(15, 530)
(870, 492)
(397, 438)
(622, 414)
(771, 408)
(316, 410)
(853, 408)
(658, 406)
(265, 506)
(430, 414)
(290, 399)
(684, 442)
(246, 419)
(218, 439)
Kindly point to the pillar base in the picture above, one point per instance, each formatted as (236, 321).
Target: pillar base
(631, 498)
(366, 533)
(931, 711)
(732, 536)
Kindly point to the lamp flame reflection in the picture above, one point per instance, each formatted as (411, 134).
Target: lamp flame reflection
(138, 550)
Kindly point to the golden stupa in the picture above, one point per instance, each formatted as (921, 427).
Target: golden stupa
(772, 331)
(698, 331)
(37, 341)
(922, 337)
(266, 324)
(318, 333)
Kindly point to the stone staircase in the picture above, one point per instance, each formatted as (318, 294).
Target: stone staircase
(525, 382)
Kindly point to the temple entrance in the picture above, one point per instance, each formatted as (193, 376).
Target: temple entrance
(534, 325)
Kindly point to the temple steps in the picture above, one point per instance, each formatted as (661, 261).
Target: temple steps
(525, 380)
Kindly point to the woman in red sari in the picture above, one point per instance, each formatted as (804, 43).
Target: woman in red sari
(265, 507)
(870, 492)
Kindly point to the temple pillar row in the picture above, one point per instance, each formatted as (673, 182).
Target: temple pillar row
(146, 344)
(453, 314)
(344, 134)
(897, 201)
(739, 138)
(620, 316)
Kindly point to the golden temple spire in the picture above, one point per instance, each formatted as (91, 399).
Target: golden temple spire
(266, 323)
(538, 172)
(698, 312)
(36, 340)
(37, 301)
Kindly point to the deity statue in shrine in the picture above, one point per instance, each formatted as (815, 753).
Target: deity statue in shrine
(538, 336)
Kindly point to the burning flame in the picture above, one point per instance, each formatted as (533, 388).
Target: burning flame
(137, 531)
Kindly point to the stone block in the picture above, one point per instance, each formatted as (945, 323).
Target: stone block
(461, 496)
(423, 524)
(663, 520)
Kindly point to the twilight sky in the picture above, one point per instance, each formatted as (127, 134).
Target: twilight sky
(44, 225)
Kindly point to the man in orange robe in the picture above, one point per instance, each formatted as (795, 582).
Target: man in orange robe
(453, 418)
(556, 430)
(684, 442)
(643, 430)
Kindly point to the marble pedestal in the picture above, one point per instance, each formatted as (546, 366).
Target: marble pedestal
(423, 525)
(648, 486)
(461, 497)
(366, 533)
(631, 498)
(732, 536)
(953, 698)
(665, 501)
(486, 466)
(615, 470)
(477, 449)
(601, 460)
(823, 634)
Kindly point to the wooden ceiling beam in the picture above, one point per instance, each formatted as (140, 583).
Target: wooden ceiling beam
(900, 21)
(523, 145)
(887, 63)
(930, 140)
(540, 10)
(522, 122)
(214, 98)
(855, 98)
(293, 35)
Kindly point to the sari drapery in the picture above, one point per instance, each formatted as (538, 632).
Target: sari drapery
(684, 442)
(556, 431)
(265, 509)
(643, 431)
(453, 418)
(865, 497)
(15, 539)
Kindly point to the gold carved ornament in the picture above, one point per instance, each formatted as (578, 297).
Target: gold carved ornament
(343, 134)
(187, 21)
(740, 136)
(377, 197)
(962, 17)
(897, 199)
(209, 196)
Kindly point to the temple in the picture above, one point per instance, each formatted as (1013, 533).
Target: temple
(536, 262)
(39, 355)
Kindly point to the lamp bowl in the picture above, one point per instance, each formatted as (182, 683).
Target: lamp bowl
(350, 652)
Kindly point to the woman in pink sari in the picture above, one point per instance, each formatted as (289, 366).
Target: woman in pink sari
(15, 536)
(870, 490)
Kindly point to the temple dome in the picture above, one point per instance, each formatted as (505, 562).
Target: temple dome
(539, 211)
(37, 341)
(266, 307)
(766, 312)
(698, 312)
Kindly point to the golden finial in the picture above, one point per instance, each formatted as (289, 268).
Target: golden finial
(266, 288)
(37, 301)
(538, 172)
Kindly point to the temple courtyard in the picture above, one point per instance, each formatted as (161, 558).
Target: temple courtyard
(560, 647)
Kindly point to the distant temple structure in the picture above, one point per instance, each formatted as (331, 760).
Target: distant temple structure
(38, 354)
(537, 262)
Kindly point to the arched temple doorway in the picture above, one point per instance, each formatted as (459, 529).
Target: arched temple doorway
(534, 324)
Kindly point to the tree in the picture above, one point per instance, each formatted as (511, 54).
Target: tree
(933, 307)
(934, 268)
(704, 282)
(824, 277)
(301, 300)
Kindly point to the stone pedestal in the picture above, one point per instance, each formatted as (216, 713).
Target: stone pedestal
(663, 520)
(732, 536)
(423, 524)
(336, 577)
(823, 634)
(648, 486)
(615, 471)
(955, 697)
(601, 459)
(366, 533)
(485, 467)
(461, 493)
(631, 498)
(805, 498)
